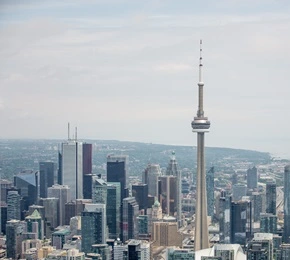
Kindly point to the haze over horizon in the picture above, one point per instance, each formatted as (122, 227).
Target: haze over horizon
(128, 70)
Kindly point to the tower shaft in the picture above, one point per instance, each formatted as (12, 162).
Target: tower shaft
(200, 125)
(201, 227)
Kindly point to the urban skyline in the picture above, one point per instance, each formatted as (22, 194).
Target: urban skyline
(116, 60)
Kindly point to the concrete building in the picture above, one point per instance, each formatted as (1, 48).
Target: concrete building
(239, 190)
(257, 200)
(4, 185)
(13, 205)
(63, 194)
(285, 251)
(172, 170)
(261, 247)
(150, 177)
(268, 223)
(221, 252)
(30, 248)
(166, 234)
(175, 253)
(169, 194)
(71, 254)
(35, 224)
(60, 237)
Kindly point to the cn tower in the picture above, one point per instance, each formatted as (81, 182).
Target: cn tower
(200, 125)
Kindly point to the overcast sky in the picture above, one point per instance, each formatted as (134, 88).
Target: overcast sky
(128, 70)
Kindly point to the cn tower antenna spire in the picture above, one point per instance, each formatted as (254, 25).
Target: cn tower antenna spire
(200, 61)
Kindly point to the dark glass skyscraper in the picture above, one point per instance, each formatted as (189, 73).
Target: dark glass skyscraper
(140, 192)
(130, 214)
(286, 233)
(13, 239)
(117, 167)
(87, 158)
(113, 209)
(46, 177)
(27, 182)
(271, 197)
(93, 226)
(87, 171)
(241, 222)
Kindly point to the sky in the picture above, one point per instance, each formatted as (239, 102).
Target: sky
(128, 70)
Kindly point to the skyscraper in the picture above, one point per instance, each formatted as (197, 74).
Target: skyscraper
(150, 177)
(224, 217)
(286, 233)
(87, 171)
(168, 194)
(130, 214)
(99, 190)
(62, 193)
(14, 230)
(117, 171)
(172, 169)
(113, 209)
(72, 167)
(51, 212)
(13, 205)
(241, 222)
(252, 178)
(268, 223)
(46, 177)
(200, 125)
(27, 182)
(93, 226)
(140, 192)
(271, 197)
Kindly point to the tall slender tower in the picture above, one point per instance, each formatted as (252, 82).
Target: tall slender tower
(200, 125)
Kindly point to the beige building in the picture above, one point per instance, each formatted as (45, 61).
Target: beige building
(44, 251)
(166, 234)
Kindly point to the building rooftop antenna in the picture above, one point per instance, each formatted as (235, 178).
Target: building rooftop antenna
(68, 131)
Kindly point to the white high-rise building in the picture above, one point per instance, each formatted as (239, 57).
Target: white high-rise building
(72, 167)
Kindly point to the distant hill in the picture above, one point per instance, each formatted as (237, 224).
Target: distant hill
(16, 155)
